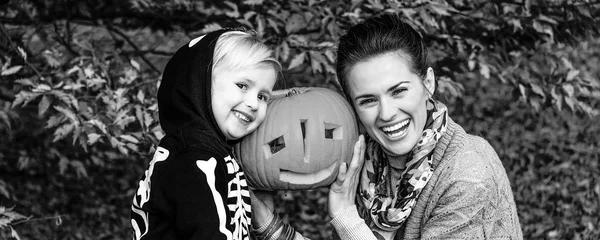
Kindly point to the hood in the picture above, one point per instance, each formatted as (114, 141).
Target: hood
(184, 95)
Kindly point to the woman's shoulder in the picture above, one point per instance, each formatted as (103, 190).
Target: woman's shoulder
(469, 155)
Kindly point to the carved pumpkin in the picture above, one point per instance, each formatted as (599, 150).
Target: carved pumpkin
(307, 133)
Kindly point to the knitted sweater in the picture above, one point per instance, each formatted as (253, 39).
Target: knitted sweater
(467, 197)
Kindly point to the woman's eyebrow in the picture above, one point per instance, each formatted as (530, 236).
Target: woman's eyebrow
(392, 88)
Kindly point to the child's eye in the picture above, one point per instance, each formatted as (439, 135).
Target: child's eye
(242, 86)
(263, 97)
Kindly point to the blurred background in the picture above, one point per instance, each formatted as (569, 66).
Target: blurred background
(79, 120)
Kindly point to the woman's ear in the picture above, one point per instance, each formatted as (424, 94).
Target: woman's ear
(429, 81)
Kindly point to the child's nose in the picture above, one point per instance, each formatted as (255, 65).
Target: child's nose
(251, 101)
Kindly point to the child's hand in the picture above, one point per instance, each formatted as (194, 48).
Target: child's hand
(262, 207)
(342, 193)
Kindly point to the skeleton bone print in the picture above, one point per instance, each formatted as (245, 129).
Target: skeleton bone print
(233, 210)
(238, 200)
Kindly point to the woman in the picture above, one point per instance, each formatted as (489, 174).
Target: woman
(417, 173)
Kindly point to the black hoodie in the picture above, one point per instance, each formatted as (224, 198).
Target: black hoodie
(193, 187)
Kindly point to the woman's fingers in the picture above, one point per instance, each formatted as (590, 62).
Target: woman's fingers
(358, 157)
(341, 177)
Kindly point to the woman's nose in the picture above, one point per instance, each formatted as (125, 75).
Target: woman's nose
(387, 110)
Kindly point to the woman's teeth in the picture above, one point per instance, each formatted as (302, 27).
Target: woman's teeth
(241, 116)
(396, 130)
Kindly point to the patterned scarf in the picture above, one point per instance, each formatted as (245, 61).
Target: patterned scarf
(387, 205)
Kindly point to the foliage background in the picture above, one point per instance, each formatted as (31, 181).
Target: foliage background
(78, 114)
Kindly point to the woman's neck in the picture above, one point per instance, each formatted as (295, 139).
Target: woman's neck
(397, 161)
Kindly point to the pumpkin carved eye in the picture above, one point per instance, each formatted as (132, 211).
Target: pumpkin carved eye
(274, 146)
(333, 131)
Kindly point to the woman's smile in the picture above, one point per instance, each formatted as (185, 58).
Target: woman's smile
(396, 131)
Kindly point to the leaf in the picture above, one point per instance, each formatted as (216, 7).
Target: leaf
(273, 25)
(115, 142)
(523, 91)
(66, 98)
(23, 162)
(12, 70)
(68, 113)
(538, 26)
(471, 64)
(14, 234)
(484, 70)
(43, 105)
(53, 121)
(129, 138)
(295, 23)
(439, 8)
(316, 59)
(210, 27)
(95, 82)
(253, 2)
(297, 60)
(4, 191)
(88, 71)
(538, 90)
(24, 97)
(79, 168)
(285, 51)
(50, 59)
(97, 123)
(572, 74)
(22, 52)
(93, 138)
(25, 82)
(330, 55)
(135, 64)
(132, 146)
(569, 90)
(588, 109)
(234, 13)
(62, 165)
(6, 120)
(570, 102)
(140, 96)
(63, 131)
(260, 29)
(42, 88)
(147, 119)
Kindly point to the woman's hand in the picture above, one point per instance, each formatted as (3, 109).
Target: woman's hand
(262, 207)
(342, 192)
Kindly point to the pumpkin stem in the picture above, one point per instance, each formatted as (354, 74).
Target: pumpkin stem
(294, 91)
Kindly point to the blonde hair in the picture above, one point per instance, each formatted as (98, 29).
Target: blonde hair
(238, 50)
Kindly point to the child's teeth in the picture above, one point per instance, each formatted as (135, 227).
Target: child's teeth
(241, 116)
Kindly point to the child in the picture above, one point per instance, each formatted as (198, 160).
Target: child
(214, 90)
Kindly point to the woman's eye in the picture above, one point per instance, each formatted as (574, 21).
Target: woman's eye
(398, 91)
(365, 101)
(242, 86)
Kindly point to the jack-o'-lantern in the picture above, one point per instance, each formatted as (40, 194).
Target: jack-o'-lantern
(307, 133)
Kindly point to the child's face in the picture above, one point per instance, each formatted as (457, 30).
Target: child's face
(239, 99)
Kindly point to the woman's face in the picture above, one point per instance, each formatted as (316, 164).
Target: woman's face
(390, 100)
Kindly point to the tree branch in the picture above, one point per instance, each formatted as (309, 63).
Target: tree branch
(12, 45)
(132, 44)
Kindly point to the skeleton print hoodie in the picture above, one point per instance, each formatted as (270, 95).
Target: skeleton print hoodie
(193, 187)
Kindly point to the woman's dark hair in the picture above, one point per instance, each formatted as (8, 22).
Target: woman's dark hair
(379, 35)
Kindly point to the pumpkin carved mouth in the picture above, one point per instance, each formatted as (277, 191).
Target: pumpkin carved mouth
(306, 178)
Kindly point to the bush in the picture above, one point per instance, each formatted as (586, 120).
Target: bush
(79, 115)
